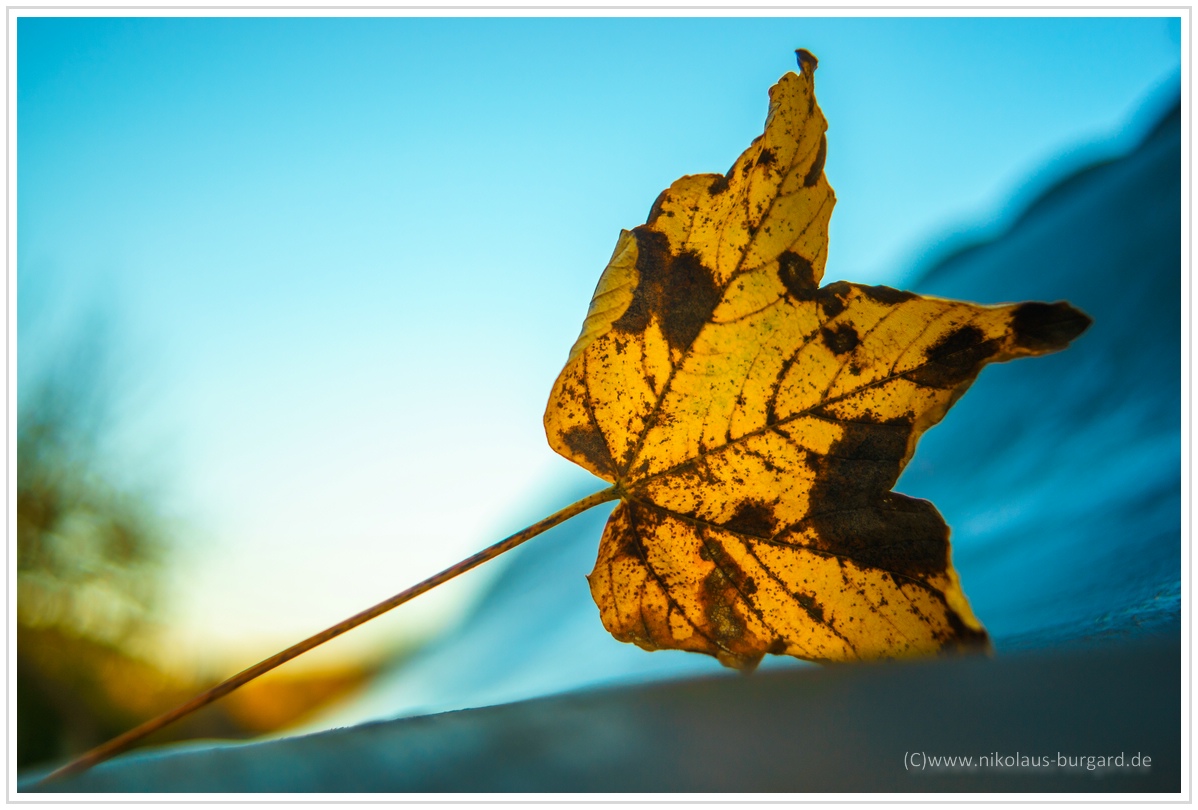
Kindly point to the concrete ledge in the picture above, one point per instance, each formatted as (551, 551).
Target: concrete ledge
(850, 728)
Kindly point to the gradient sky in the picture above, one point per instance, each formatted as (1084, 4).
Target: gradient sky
(338, 263)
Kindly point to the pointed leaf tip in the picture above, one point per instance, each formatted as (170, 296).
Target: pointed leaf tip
(1047, 327)
(807, 61)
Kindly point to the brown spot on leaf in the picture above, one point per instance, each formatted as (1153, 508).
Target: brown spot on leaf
(834, 298)
(771, 403)
(679, 290)
(1047, 327)
(797, 275)
(631, 547)
(718, 598)
(966, 637)
(689, 296)
(724, 621)
(859, 467)
(766, 158)
(817, 166)
(902, 535)
(655, 209)
(589, 443)
(754, 518)
(814, 609)
(841, 340)
(885, 295)
(718, 186)
(957, 346)
(955, 358)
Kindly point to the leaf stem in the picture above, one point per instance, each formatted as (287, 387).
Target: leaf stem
(122, 742)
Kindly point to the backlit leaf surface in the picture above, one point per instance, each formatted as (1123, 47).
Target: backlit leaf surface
(755, 422)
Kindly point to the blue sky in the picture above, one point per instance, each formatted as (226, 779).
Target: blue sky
(340, 261)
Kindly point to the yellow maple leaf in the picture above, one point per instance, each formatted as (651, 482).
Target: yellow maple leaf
(754, 423)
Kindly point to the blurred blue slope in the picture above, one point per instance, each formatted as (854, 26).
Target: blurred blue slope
(1060, 476)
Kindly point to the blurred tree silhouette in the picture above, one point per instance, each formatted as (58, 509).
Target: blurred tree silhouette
(88, 555)
(86, 551)
(90, 551)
